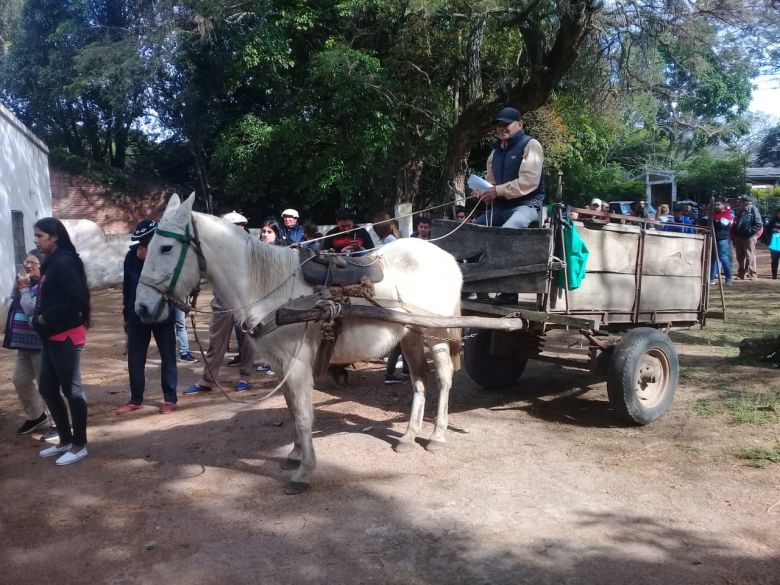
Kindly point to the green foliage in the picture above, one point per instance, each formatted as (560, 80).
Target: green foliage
(267, 103)
(759, 457)
(706, 175)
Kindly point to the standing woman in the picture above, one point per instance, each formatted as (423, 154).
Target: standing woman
(20, 336)
(62, 315)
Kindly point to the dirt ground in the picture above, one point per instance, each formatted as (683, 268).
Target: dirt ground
(539, 484)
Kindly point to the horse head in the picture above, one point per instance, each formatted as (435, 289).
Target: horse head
(171, 270)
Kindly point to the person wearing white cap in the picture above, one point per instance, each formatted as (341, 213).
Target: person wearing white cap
(595, 204)
(290, 230)
(235, 218)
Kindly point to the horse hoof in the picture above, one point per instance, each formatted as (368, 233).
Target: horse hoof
(433, 445)
(288, 464)
(403, 446)
(294, 488)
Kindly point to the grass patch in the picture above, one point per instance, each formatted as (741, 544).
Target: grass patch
(761, 457)
(756, 409)
(707, 408)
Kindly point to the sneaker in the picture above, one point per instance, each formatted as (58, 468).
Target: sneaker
(30, 425)
(264, 368)
(390, 380)
(713, 281)
(54, 450)
(188, 357)
(129, 407)
(167, 407)
(243, 386)
(51, 436)
(69, 457)
(195, 388)
(729, 282)
(234, 361)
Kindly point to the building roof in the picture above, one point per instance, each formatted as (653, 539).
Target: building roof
(762, 173)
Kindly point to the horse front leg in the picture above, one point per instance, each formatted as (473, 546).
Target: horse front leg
(298, 391)
(414, 354)
(444, 370)
(293, 459)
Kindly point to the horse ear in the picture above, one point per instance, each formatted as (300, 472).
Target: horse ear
(173, 204)
(186, 205)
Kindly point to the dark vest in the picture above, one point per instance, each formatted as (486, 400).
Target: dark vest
(506, 168)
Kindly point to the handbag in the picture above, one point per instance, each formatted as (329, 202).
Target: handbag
(19, 334)
(774, 243)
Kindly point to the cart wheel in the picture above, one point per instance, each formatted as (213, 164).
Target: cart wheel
(642, 378)
(492, 372)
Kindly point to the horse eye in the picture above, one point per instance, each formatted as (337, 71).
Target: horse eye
(165, 249)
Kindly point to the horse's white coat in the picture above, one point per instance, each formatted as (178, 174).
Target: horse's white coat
(257, 279)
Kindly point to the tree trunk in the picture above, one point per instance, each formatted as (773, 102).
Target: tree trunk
(408, 182)
(200, 166)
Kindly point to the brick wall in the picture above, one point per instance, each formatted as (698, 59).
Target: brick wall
(79, 197)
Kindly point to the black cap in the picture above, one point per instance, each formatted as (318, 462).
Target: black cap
(143, 229)
(509, 115)
(744, 198)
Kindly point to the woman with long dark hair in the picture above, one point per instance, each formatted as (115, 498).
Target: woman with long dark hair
(270, 233)
(62, 316)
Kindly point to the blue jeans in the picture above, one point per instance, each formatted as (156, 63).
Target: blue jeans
(520, 216)
(181, 332)
(138, 338)
(723, 254)
(61, 375)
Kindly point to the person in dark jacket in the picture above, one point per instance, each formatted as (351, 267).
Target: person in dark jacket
(514, 167)
(721, 226)
(345, 237)
(748, 226)
(290, 231)
(61, 319)
(139, 334)
(773, 227)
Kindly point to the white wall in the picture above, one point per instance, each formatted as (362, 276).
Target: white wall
(24, 186)
(103, 255)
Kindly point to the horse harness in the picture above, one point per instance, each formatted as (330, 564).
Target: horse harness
(188, 241)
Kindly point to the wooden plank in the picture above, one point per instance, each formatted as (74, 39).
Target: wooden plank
(481, 251)
(285, 316)
(672, 256)
(503, 272)
(599, 291)
(670, 293)
(536, 316)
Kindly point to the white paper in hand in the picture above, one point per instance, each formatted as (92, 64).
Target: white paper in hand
(478, 183)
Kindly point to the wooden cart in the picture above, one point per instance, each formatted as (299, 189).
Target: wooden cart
(640, 282)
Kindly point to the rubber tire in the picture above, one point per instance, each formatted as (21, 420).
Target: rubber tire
(623, 366)
(489, 371)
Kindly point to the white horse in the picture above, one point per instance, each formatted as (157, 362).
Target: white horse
(256, 279)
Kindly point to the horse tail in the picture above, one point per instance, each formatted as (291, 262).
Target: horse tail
(454, 333)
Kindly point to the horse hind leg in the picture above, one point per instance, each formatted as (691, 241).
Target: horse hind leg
(414, 354)
(444, 369)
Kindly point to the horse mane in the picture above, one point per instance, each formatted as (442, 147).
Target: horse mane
(270, 271)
